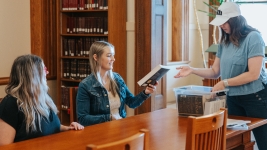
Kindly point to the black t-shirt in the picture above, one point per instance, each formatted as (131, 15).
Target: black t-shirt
(10, 113)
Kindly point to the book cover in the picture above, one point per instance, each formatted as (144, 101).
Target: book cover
(236, 124)
(190, 105)
(154, 75)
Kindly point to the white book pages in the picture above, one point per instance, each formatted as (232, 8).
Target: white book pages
(236, 124)
(213, 106)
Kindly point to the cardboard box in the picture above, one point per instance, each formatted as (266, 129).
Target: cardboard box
(193, 100)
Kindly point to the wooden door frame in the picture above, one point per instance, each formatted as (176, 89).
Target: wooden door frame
(43, 33)
(180, 46)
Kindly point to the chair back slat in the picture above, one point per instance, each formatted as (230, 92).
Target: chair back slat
(207, 132)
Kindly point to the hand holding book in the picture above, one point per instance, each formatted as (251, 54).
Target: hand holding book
(154, 76)
(151, 88)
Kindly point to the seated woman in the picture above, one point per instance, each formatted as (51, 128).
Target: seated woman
(27, 111)
(102, 96)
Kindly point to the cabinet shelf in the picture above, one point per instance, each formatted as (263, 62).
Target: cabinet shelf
(70, 80)
(74, 57)
(82, 11)
(72, 35)
(76, 31)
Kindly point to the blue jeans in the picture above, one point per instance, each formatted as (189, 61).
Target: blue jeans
(251, 105)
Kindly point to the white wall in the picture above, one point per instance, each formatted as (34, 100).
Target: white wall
(15, 37)
(130, 50)
(195, 55)
(14, 34)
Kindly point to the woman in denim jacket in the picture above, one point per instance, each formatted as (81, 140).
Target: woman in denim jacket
(103, 94)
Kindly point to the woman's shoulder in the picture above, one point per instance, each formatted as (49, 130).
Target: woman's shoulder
(8, 99)
(254, 37)
(89, 82)
(254, 34)
(90, 78)
(117, 76)
(8, 105)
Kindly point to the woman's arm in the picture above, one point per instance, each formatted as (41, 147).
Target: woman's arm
(7, 133)
(209, 73)
(253, 73)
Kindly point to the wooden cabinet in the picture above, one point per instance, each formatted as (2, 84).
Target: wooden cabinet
(77, 29)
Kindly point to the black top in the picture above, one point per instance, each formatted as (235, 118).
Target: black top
(10, 113)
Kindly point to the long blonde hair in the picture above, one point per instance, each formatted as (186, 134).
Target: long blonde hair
(98, 49)
(28, 85)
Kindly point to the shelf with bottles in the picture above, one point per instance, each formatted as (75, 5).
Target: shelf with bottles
(85, 5)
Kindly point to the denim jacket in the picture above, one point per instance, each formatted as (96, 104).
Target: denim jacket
(93, 104)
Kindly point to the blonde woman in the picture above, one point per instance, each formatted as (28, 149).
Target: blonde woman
(102, 96)
(27, 111)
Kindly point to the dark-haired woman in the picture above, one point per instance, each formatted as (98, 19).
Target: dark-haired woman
(240, 64)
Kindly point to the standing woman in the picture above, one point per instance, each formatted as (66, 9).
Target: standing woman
(103, 94)
(27, 111)
(241, 65)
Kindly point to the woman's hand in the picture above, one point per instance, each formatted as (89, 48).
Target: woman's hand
(76, 126)
(73, 126)
(183, 71)
(218, 86)
(151, 88)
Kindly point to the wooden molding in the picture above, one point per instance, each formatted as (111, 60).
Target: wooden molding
(180, 30)
(117, 24)
(43, 33)
(150, 48)
(150, 43)
(142, 47)
(4, 80)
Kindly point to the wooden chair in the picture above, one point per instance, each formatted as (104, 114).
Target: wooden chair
(207, 132)
(138, 141)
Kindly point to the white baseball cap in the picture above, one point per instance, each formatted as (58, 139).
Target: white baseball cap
(226, 11)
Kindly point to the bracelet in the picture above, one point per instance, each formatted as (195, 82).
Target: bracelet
(225, 82)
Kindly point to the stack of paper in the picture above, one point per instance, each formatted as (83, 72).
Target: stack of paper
(237, 124)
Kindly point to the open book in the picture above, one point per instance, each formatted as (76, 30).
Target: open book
(237, 124)
(154, 75)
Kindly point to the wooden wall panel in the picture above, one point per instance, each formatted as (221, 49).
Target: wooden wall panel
(180, 30)
(151, 48)
(150, 43)
(43, 33)
(142, 47)
(117, 24)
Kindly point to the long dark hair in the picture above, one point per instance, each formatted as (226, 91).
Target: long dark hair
(239, 30)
